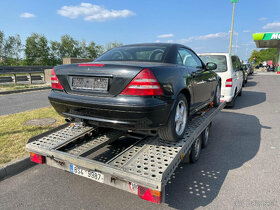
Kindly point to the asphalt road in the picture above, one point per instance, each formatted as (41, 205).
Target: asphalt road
(239, 169)
(21, 102)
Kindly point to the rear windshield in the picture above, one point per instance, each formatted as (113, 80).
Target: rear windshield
(135, 53)
(220, 60)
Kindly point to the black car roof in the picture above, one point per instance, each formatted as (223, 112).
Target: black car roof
(156, 44)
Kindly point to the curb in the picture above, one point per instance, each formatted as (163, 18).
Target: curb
(15, 167)
(22, 91)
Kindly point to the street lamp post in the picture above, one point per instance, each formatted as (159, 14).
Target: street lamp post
(232, 23)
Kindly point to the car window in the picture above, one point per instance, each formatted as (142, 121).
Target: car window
(179, 59)
(135, 53)
(189, 58)
(235, 63)
(220, 60)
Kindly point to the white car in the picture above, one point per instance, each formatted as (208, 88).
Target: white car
(230, 71)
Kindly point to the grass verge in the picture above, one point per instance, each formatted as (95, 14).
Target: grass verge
(12, 87)
(14, 133)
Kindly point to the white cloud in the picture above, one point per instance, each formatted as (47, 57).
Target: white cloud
(246, 31)
(205, 37)
(262, 19)
(273, 26)
(165, 35)
(27, 15)
(91, 12)
(235, 46)
(170, 41)
(157, 41)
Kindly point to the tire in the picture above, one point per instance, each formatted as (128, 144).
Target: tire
(171, 132)
(205, 136)
(243, 83)
(240, 93)
(217, 97)
(195, 150)
(232, 103)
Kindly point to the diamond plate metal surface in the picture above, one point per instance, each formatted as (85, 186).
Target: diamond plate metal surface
(151, 157)
(94, 142)
(52, 140)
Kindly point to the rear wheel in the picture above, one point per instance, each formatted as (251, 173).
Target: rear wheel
(240, 93)
(177, 123)
(195, 150)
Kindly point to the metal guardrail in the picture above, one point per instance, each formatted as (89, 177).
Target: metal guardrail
(12, 77)
(23, 69)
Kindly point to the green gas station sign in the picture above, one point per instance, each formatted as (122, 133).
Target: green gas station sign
(266, 36)
(234, 1)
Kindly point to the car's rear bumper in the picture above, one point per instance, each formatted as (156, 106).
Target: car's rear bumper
(138, 113)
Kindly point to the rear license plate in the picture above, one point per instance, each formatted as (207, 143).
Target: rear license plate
(96, 176)
(90, 83)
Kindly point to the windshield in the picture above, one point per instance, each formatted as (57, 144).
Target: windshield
(220, 60)
(135, 53)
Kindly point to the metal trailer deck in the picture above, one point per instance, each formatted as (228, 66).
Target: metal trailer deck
(143, 166)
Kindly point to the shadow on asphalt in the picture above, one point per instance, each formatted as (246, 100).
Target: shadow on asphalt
(249, 98)
(250, 84)
(195, 185)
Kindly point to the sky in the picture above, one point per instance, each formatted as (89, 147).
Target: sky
(203, 25)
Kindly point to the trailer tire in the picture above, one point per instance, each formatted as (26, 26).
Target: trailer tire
(195, 150)
(205, 136)
(217, 97)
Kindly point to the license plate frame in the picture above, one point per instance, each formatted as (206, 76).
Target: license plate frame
(90, 174)
(90, 83)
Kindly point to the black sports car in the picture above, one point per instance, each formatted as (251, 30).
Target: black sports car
(151, 87)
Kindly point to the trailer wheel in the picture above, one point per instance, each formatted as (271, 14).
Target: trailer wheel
(205, 136)
(195, 150)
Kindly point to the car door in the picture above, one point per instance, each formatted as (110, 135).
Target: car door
(236, 74)
(202, 87)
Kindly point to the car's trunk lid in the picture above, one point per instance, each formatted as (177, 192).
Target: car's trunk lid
(103, 79)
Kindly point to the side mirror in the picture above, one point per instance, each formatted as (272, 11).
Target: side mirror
(211, 66)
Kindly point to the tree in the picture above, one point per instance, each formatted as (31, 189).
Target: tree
(263, 55)
(18, 48)
(1, 44)
(114, 44)
(9, 50)
(55, 56)
(69, 47)
(37, 50)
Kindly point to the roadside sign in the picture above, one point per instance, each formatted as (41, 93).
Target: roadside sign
(234, 1)
(270, 62)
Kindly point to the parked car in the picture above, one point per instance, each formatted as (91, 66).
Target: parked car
(246, 72)
(270, 68)
(230, 71)
(251, 69)
(150, 87)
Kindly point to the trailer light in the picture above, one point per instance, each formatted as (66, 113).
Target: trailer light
(147, 194)
(37, 158)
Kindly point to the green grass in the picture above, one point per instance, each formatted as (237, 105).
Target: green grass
(12, 87)
(14, 133)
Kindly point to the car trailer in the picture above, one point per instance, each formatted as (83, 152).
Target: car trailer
(133, 162)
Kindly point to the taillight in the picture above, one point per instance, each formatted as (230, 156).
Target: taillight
(144, 84)
(55, 82)
(37, 158)
(229, 82)
(149, 195)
